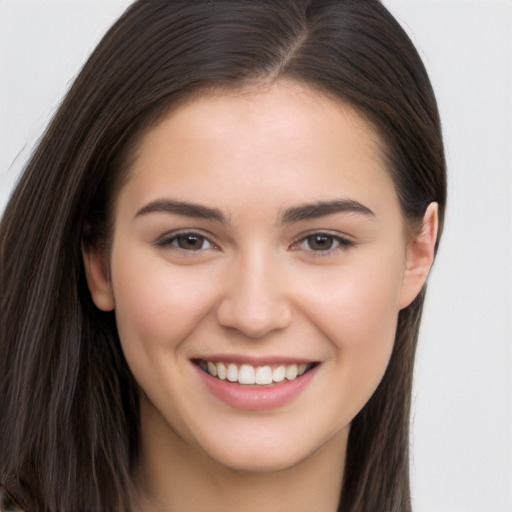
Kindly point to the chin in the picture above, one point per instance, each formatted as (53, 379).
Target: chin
(265, 453)
(266, 459)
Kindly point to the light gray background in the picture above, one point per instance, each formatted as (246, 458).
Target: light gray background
(462, 422)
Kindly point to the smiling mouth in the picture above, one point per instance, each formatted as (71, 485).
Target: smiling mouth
(249, 375)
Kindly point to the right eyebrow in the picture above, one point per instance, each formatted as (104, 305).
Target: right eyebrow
(182, 208)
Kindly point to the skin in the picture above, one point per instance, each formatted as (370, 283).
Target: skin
(257, 285)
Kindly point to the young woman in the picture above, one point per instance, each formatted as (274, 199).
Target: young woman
(213, 268)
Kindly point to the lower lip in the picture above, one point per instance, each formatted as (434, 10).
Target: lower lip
(255, 398)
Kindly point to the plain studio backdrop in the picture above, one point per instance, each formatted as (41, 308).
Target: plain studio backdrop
(462, 417)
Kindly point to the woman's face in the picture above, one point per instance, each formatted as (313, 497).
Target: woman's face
(258, 236)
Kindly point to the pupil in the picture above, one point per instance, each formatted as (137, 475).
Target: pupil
(190, 242)
(320, 242)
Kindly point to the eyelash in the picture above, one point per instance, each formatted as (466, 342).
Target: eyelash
(173, 240)
(340, 243)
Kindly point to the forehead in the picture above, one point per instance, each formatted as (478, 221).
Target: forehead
(284, 140)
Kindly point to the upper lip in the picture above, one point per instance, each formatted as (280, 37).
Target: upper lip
(254, 360)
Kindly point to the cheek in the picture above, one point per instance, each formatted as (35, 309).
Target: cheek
(157, 305)
(359, 317)
(358, 304)
(369, 307)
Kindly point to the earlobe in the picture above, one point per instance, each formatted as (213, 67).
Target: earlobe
(98, 280)
(419, 257)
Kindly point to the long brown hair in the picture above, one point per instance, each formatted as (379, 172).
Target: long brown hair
(69, 407)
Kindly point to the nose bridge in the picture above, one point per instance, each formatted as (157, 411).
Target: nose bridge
(255, 301)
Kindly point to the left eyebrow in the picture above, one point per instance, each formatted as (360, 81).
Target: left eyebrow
(324, 208)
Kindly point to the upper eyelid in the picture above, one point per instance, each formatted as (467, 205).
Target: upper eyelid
(187, 231)
(337, 235)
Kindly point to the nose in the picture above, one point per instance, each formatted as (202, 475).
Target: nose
(255, 300)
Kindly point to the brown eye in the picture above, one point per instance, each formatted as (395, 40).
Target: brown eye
(191, 242)
(320, 242)
(323, 244)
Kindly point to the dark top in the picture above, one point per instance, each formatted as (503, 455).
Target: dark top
(12, 498)
(7, 503)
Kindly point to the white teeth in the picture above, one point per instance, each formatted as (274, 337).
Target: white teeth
(279, 374)
(263, 375)
(212, 369)
(221, 371)
(251, 375)
(291, 372)
(246, 375)
(232, 373)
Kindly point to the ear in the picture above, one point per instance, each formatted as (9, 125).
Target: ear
(419, 257)
(98, 279)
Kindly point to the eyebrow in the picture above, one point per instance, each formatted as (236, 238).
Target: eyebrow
(183, 208)
(294, 214)
(324, 208)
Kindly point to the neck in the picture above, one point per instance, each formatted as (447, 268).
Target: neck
(174, 477)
